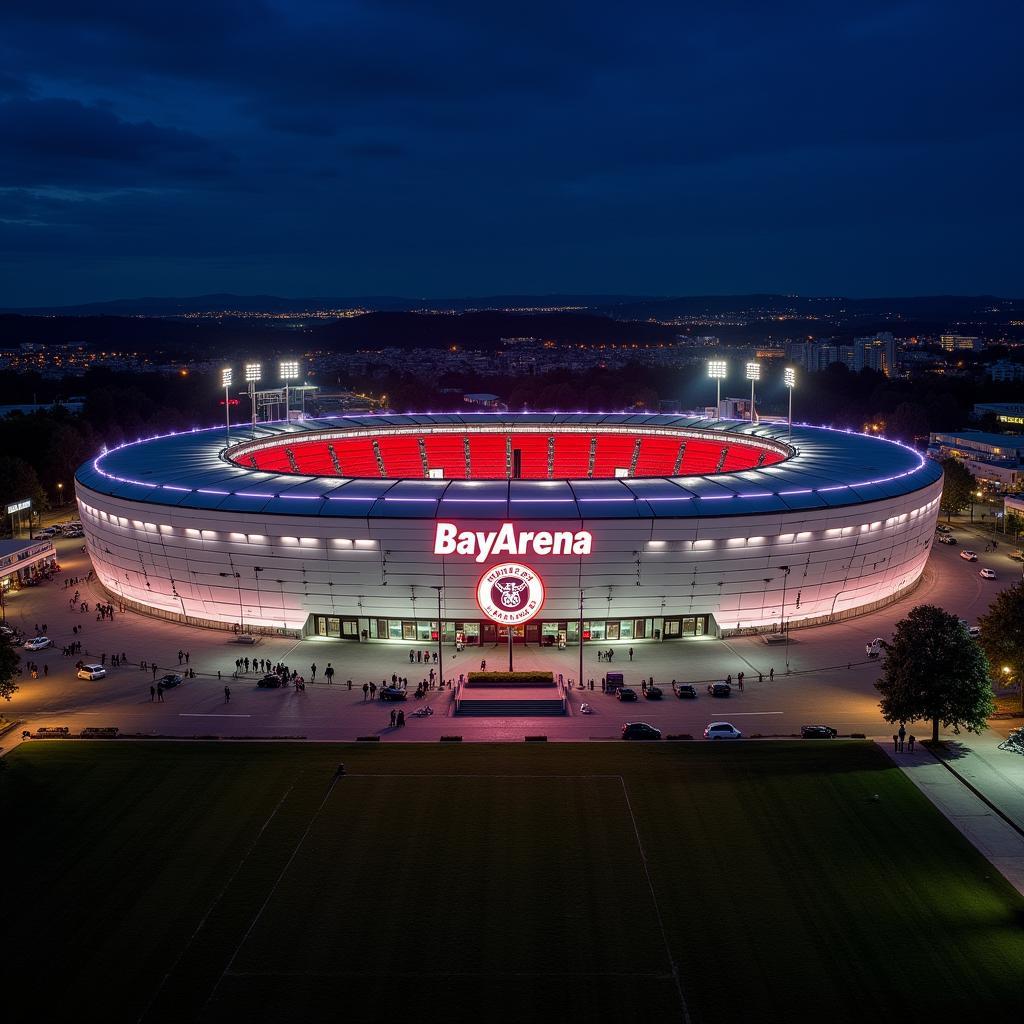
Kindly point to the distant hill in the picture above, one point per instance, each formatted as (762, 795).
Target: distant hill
(627, 307)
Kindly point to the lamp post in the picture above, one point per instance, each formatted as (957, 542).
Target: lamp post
(241, 616)
(753, 375)
(789, 376)
(253, 374)
(439, 587)
(581, 636)
(256, 570)
(60, 495)
(225, 382)
(717, 371)
(289, 371)
(782, 617)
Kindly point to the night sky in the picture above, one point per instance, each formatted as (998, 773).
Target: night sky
(435, 148)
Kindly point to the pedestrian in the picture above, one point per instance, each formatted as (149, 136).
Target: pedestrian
(728, 679)
(895, 743)
(152, 694)
(373, 691)
(902, 733)
(760, 677)
(154, 670)
(187, 656)
(227, 695)
(312, 672)
(329, 673)
(46, 671)
(771, 674)
(483, 665)
(910, 742)
(349, 683)
(400, 718)
(366, 690)
(392, 718)
(181, 655)
(631, 654)
(160, 693)
(412, 657)
(739, 681)
(218, 675)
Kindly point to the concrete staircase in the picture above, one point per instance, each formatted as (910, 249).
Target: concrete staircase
(510, 707)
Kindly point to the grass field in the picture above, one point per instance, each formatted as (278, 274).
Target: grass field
(219, 882)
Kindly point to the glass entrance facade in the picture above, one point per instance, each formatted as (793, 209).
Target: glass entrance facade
(547, 633)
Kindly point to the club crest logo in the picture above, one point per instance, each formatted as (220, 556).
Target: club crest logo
(510, 593)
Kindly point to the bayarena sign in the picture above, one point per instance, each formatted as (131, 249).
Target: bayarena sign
(450, 540)
(510, 593)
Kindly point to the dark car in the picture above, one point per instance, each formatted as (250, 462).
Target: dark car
(626, 693)
(686, 691)
(946, 539)
(817, 732)
(169, 681)
(653, 693)
(392, 693)
(719, 689)
(270, 682)
(640, 731)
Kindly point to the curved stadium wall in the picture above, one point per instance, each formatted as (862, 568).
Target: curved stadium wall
(328, 527)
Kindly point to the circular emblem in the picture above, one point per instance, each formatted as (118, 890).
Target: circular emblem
(510, 593)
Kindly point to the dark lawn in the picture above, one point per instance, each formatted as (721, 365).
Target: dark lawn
(234, 882)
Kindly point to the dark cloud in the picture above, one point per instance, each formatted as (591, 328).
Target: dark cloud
(395, 145)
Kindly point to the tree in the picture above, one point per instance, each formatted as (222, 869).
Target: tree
(1002, 634)
(933, 670)
(1013, 525)
(958, 485)
(9, 662)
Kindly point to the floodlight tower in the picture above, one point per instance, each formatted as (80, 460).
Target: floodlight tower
(789, 376)
(717, 371)
(753, 375)
(253, 373)
(225, 380)
(289, 371)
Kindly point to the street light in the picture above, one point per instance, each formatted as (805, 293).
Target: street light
(789, 376)
(60, 495)
(717, 371)
(289, 371)
(782, 618)
(253, 374)
(241, 616)
(225, 382)
(439, 587)
(753, 375)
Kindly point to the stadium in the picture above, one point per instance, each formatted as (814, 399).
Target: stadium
(601, 526)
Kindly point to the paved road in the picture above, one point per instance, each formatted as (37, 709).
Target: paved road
(829, 679)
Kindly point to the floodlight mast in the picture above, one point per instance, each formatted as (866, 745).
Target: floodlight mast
(225, 380)
(789, 376)
(717, 370)
(253, 374)
(289, 371)
(753, 375)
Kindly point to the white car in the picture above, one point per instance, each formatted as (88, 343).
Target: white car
(46, 534)
(721, 731)
(969, 556)
(92, 672)
(987, 574)
(37, 643)
(974, 631)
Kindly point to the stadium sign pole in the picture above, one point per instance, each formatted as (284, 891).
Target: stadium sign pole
(225, 379)
(581, 637)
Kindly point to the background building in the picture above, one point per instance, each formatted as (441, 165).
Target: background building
(995, 459)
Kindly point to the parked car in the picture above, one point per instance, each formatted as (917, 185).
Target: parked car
(170, 680)
(47, 533)
(719, 689)
(92, 672)
(625, 693)
(640, 731)
(392, 693)
(686, 691)
(942, 528)
(721, 731)
(817, 732)
(653, 692)
(270, 682)
(37, 643)
(974, 631)
(987, 574)
(946, 539)
(969, 556)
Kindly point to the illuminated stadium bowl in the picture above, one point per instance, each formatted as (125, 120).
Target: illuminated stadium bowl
(671, 526)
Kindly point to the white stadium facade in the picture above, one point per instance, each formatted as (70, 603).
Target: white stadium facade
(619, 526)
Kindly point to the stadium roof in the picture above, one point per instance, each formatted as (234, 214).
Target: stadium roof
(829, 468)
